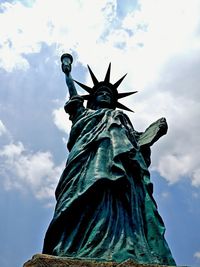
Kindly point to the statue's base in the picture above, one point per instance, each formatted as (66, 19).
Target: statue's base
(44, 260)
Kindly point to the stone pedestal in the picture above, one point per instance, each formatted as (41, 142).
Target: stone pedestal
(43, 260)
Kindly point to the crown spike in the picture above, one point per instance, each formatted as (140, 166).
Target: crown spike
(119, 81)
(122, 95)
(94, 79)
(107, 77)
(121, 106)
(85, 87)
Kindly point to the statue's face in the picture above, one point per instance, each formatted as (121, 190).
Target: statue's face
(104, 98)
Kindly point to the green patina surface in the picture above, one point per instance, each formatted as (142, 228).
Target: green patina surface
(105, 209)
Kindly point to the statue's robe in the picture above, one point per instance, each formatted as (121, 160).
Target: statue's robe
(105, 209)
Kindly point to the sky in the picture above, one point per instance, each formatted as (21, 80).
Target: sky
(157, 42)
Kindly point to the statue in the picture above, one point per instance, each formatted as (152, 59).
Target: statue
(105, 209)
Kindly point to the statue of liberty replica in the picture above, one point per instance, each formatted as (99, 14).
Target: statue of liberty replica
(105, 210)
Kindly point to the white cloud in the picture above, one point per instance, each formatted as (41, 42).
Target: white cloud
(73, 24)
(61, 120)
(173, 167)
(196, 178)
(3, 129)
(12, 150)
(100, 32)
(161, 38)
(19, 35)
(197, 255)
(165, 195)
(26, 171)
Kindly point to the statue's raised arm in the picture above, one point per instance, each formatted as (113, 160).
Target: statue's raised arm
(74, 106)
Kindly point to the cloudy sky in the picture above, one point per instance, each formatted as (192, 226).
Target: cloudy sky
(157, 42)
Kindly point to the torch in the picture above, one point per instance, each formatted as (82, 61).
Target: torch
(66, 60)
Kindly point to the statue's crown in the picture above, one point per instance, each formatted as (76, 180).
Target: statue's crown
(105, 84)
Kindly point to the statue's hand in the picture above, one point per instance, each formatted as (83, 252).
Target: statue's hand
(66, 69)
